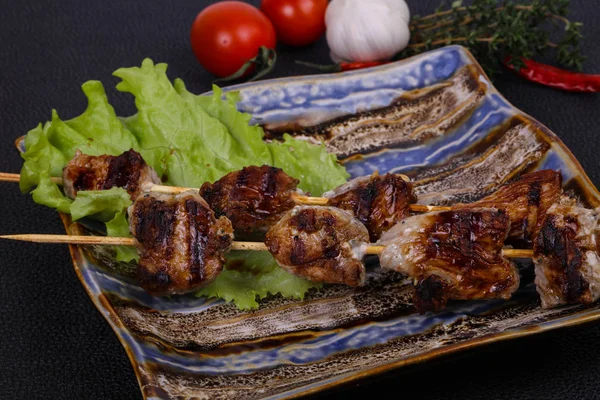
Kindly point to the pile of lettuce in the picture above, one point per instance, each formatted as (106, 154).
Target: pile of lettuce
(188, 140)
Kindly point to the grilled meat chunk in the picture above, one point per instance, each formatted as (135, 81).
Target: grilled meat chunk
(128, 171)
(181, 243)
(567, 266)
(322, 244)
(452, 255)
(378, 201)
(526, 202)
(253, 198)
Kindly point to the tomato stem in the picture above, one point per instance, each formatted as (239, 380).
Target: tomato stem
(320, 67)
(264, 61)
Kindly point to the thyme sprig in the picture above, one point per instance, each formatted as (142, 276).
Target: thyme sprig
(496, 31)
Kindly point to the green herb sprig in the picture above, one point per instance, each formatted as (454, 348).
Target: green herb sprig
(500, 31)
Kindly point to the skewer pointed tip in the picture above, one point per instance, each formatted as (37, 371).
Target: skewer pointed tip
(11, 237)
(71, 239)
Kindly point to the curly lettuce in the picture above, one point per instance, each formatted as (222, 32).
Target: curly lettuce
(250, 276)
(188, 139)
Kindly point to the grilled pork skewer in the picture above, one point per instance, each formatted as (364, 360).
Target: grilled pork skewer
(245, 196)
(370, 249)
(299, 199)
(182, 244)
(254, 198)
(458, 254)
(117, 241)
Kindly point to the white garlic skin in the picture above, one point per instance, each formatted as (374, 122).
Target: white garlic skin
(367, 30)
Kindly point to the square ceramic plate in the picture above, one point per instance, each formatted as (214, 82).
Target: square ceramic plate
(436, 118)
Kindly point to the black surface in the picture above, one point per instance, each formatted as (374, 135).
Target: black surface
(53, 342)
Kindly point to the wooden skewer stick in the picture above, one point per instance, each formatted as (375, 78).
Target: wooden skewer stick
(311, 201)
(167, 189)
(109, 241)
(6, 177)
(255, 246)
(315, 201)
(509, 253)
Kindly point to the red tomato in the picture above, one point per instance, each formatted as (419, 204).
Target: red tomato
(297, 22)
(227, 34)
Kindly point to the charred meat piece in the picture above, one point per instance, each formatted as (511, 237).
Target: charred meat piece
(377, 201)
(322, 244)
(253, 198)
(452, 255)
(181, 243)
(526, 201)
(567, 266)
(128, 171)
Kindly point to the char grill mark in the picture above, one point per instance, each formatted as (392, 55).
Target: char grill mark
(566, 256)
(306, 221)
(298, 251)
(461, 250)
(322, 244)
(558, 243)
(526, 202)
(127, 170)
(154, 226)
(253, 198)
(199, 226)
(180, 241)
(379, 202)
(534, 196)
(124, 171)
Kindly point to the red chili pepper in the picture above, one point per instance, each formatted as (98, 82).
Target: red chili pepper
(556, 77)
(344, 66)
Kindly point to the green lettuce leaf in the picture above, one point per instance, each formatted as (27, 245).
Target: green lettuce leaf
(102, 205)
(119, 227)
(49, 194)
(291, 155)
(188, 140)
(181, 140)
(42, 160)
(250, 276)
(97, 131)
(49, 148)
(316, 177)
(248, 137)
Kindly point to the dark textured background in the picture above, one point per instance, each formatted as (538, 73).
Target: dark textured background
(53, 342)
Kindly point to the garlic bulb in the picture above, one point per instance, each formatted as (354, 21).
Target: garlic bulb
(367, 30)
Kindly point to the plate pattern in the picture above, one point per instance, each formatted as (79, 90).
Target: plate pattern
(435, 117)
